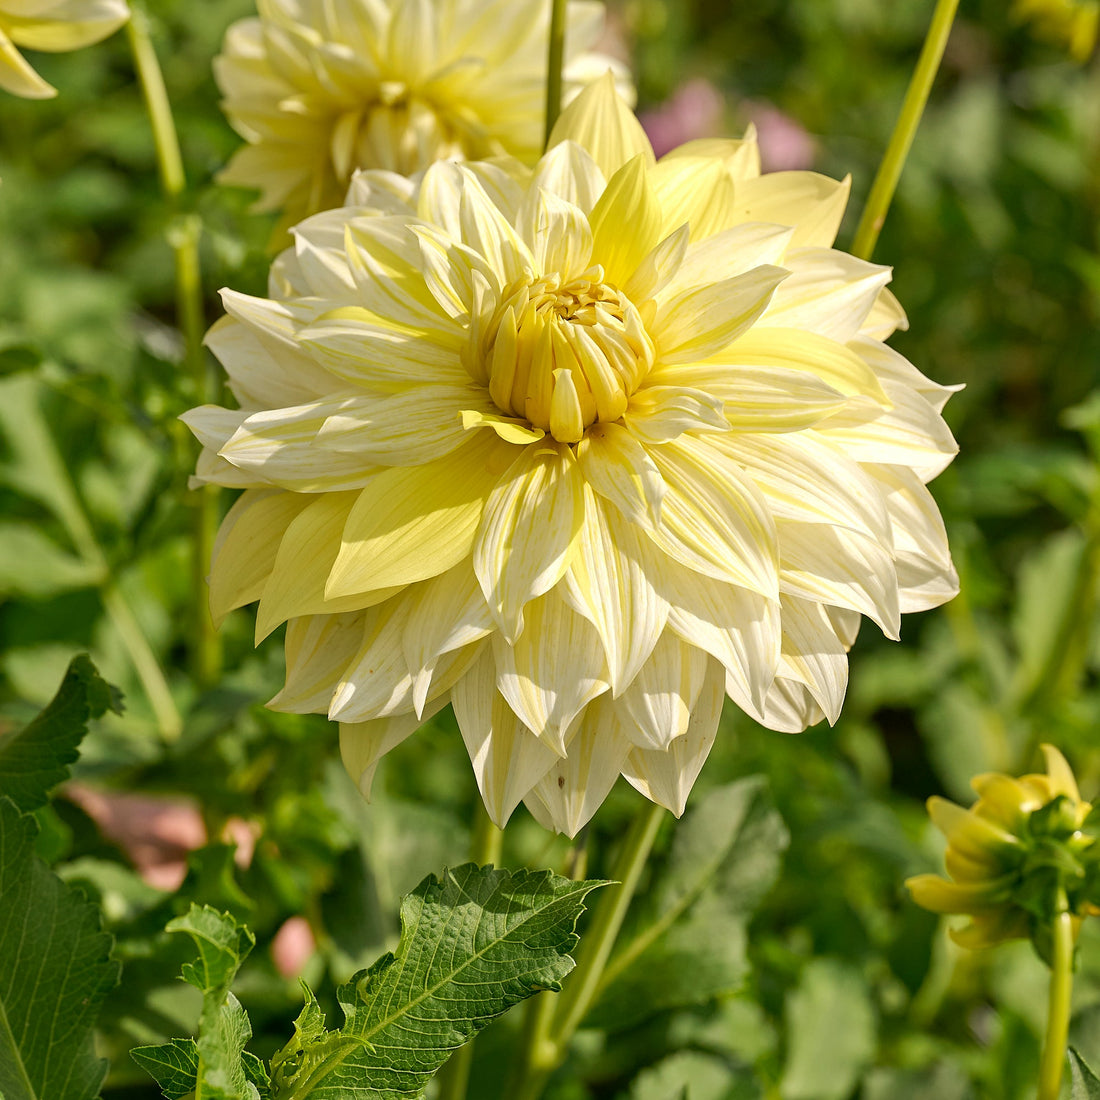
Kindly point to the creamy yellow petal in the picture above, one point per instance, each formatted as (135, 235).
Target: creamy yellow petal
(713, 520)
(890, 366)
(509, 428)
(828, 292)
(413, 523)
(667, 776)
(659, 266)
(726, 255)
(446, 613)
(885, 318)
(655, 707)
(302, 566)
(508, 759)
(702, 321)
(376, 682)
(834, 566)
(529, 531)
(557, 233)
(812, 203)
(694, 191)
(573, 790)
(657, 414)
(813, 655)
(568, 171)
(65, 25)
(363, 744)
(319, 649)
(626, 222)
(552, 670)
(1062, 780)
(620, 469)
(247, 542)
(966, 831)
(790, 707)
(601, 122)
(940, 896)
(17, 76)
(608, 585)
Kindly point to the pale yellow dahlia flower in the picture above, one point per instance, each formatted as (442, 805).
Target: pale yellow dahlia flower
(319, 88)
(55, 26)
(579, 450)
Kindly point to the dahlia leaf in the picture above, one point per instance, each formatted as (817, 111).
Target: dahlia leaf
(57, 970)
(216, 1063)
(473, 943)
(36, 758)
(1085, 1083)
(686, 942)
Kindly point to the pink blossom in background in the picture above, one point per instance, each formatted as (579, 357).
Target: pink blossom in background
(244, 835)
(292, 946)
(695, 110)
(155, 833)
(784, 145)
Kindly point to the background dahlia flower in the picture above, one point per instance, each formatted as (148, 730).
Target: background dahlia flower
(579, 450)
(319, 88)
(55, 26)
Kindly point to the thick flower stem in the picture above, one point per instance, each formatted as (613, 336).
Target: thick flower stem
(554, 1018)
(554, 62)
(889, 170)
(183, 237)
(1061, 987)
(485, 848)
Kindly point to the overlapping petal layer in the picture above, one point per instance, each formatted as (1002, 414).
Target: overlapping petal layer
(318, 88)
(55, 26)
(582, 449)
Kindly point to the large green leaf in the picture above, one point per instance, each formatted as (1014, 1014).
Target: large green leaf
(37, 758)
(685, 941)
(473, 943)
(55, 973)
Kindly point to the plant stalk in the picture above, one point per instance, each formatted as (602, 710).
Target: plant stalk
(916, 96)
(184, 233)
(557, 1017)
(554, 62)
(1053, 1058)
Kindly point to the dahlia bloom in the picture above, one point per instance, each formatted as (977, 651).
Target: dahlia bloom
(319, 88)
(55, 26)
(579, 450)
(1006, 854)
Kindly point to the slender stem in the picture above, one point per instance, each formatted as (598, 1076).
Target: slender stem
(889, 171)
(1061, 986)
(552, 1027)
(554, 61)
(184, 235)
(485, 848)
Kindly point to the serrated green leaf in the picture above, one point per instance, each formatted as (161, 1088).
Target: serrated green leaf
(684, 943)
(216, 1062)
(173, 1065)
(473, 943)
(37, 758)
(1086, 1085)
(222, 943)
(56, 972)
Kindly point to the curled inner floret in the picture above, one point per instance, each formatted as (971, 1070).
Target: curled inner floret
(564, 354)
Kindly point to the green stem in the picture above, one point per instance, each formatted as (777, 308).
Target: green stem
(556, 1019)
(889, 171)
(1061, 986)
(554, 61)
(485, 848)
(184, 234)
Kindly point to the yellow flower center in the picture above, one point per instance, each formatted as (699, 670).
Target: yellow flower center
(564, 355)
(398, 131)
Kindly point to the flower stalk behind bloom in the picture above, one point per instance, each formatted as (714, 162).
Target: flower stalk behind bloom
(54, 26)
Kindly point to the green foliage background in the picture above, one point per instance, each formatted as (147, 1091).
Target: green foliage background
(834, 985)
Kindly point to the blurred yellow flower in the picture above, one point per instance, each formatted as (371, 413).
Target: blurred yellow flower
(319, 88)
(1071, 23)
(580, 450)
(1005, 850)
(54, 26)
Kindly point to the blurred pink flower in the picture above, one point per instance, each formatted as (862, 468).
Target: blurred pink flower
(784, 145)
(156, 833)
(292, 946)
(693, 111)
